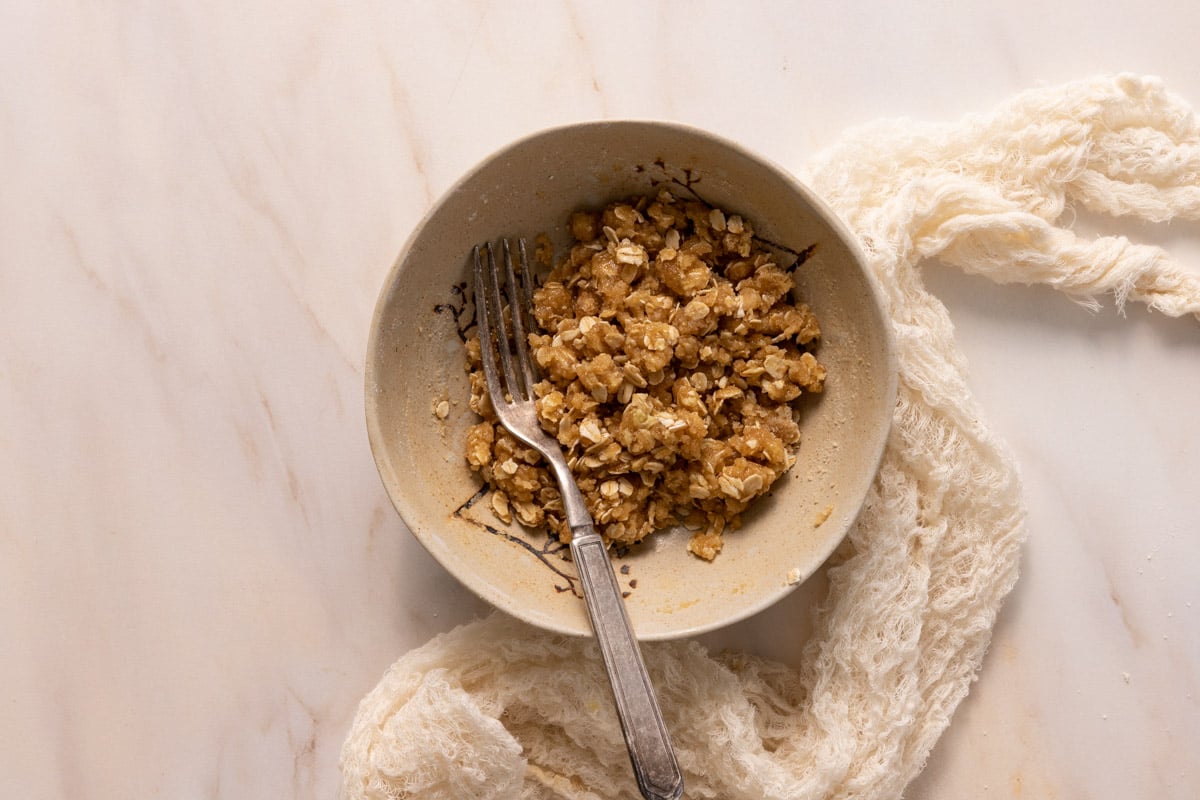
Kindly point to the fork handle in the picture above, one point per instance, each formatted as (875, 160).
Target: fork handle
(646, 736)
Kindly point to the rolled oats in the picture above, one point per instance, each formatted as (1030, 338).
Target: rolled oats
(671, 354)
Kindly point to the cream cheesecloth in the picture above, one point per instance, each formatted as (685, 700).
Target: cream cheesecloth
(496, 709)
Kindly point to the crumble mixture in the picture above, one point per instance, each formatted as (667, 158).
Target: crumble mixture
(671, 353)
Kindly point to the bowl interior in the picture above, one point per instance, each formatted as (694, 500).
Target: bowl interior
(415, 360)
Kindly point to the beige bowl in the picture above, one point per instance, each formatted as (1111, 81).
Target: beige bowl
(415, 361)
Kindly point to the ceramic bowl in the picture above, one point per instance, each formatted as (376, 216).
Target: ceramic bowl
(415, 361)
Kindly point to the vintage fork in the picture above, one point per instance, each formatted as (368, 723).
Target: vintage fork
(510, 387)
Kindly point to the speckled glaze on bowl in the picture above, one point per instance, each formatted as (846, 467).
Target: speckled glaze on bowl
(415, 359)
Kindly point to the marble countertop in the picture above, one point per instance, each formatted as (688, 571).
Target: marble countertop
(200, 574)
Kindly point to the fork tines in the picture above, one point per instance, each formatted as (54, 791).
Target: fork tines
(506, 334)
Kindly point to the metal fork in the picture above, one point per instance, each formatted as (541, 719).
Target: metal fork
(510, 387)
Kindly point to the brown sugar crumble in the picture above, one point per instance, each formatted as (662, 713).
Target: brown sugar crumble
(671, 354)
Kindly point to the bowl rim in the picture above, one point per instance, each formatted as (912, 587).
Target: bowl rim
(888, 395)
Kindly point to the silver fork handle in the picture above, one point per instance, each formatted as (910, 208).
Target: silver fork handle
(646, 736)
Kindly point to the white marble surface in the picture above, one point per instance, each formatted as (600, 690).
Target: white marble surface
(200, 574)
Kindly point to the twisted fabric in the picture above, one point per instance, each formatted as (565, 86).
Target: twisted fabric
(498, 710)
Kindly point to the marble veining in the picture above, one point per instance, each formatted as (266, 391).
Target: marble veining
(200, 574)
